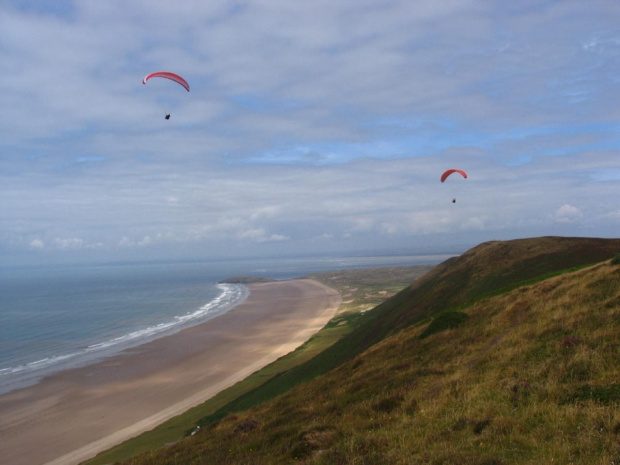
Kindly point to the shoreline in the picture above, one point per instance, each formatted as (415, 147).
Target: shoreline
(72, 415)
(31, 373)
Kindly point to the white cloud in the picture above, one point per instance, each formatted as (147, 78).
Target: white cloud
(568, 214)
(315, 120)
(143, 242)
(69, 243)
(362, 223)
(389, 229)
(323, 237)
(75, 243)
(474, 223)
(260, 235)
(37, 244)
(278, 238)
(430, 222)
(268, 212)
(146, 240)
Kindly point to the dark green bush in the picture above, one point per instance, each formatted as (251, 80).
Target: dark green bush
(604, 395)
(443, 321)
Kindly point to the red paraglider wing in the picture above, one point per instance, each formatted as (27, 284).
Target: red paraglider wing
(450, 171)
(165, 74)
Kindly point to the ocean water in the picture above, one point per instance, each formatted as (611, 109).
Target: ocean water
(52, 319)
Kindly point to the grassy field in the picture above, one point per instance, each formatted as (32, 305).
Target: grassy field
(528, 375)
(361, 289)
(364, 289)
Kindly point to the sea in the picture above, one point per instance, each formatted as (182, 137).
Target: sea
(56, 318)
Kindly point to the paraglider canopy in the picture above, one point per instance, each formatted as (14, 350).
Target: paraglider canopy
(447, 173)
(167, 75)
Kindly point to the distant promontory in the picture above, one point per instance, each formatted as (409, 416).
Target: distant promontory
(245, 280)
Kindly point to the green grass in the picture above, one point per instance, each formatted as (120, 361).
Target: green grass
(380, 394)
(468, 395)
(518, 284)
(444, 321)
(605, 395)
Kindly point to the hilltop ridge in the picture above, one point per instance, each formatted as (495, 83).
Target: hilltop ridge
(486, 268)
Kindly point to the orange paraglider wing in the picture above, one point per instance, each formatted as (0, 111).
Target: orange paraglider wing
(165, 74)
(447, 173)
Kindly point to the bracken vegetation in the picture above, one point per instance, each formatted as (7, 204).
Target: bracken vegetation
(521, 367)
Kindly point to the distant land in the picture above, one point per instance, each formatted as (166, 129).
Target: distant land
(506, 354)
(245, 280)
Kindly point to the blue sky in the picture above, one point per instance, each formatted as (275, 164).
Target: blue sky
(311, 127)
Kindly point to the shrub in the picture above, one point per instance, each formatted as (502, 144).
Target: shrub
(616, 260)
(444, 321)
(604, 395)
(388, 404)
(247, 426)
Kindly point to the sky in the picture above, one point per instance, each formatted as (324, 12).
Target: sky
(311, 128)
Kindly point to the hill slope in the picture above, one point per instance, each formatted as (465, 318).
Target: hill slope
(528, 374)
(487, 268)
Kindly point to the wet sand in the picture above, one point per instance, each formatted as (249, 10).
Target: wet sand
(71, 416)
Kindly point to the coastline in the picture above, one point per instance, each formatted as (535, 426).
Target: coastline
(26, 374)
(71, 416)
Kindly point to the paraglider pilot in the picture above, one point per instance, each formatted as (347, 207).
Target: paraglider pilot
(167, 116)
(453, 200)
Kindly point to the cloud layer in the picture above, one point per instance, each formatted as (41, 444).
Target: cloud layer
(310, 127)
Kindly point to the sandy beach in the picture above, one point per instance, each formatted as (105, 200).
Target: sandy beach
(71, 416)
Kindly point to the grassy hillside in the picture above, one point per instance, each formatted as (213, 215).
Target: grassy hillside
(531, 376)
(487, 268)
(521, 372)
